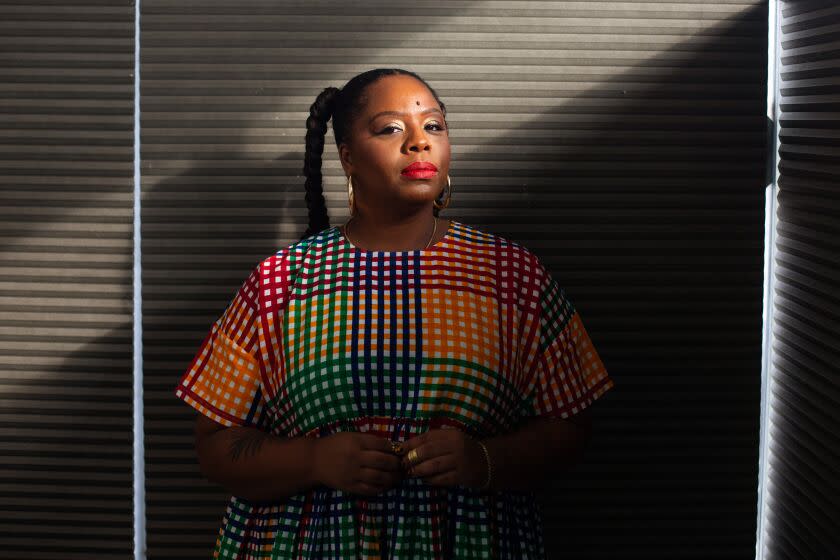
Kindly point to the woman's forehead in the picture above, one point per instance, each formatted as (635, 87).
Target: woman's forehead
(398, 94)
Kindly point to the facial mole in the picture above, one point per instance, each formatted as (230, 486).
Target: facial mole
(417, 102)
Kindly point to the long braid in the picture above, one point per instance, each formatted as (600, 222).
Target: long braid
(316, 130)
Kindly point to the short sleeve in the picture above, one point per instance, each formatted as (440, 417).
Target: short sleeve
(562, 372)
(223, 379)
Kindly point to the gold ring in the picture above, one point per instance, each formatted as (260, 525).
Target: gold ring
(412, 456)
(396, 447)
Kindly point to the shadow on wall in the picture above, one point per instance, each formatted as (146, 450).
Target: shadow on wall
(644, 195)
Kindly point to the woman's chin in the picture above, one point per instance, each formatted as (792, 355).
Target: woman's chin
(420, 189)
(409, 204)
(421, 199)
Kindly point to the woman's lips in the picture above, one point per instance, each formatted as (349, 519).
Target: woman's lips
(419, 173)
(420, 170)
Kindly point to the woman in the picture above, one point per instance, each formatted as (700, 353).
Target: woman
(396, 387)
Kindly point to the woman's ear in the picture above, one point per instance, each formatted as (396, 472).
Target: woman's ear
(345, 158)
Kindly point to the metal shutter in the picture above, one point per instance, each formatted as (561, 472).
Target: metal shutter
(624, 142)
(66, 195)
(802, 450)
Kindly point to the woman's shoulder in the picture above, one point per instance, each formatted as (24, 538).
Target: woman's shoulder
(500, 245)
(296, 251)
(274, 275)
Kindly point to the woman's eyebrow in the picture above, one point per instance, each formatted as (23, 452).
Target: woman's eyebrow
(399, 114)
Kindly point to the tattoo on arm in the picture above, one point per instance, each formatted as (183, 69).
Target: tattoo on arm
(249, 442)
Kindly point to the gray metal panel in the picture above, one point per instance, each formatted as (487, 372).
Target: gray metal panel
(66, 169)
(624, 142)
(803, 495)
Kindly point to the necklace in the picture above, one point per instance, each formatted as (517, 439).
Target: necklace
(347, 225)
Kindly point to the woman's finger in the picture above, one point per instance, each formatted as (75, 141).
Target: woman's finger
(423, 453)
(417, 441)
(433, 466)
(376, 443)
(376, 477)
(447, 478)
(379, 460)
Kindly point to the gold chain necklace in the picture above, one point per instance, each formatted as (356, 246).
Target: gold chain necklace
(347, 224)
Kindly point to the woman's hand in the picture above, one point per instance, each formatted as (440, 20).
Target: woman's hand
(356, 462)
(446, 457)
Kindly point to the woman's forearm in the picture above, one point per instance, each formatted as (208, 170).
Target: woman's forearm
(255, 465)
(525, 458)
(258, 466)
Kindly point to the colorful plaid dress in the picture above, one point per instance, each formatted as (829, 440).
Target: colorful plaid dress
(323, 337)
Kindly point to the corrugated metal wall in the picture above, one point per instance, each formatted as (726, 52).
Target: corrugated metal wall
(66, 154)
(624, 142)
(802, 495)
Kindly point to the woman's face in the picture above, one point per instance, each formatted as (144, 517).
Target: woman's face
(400, 124)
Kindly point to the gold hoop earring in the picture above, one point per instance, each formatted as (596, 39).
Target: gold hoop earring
(448, 191)
(350, 194)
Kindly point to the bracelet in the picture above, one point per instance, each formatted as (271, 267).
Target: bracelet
(489, 466)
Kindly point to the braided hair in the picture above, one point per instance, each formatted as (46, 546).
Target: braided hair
(343, 106)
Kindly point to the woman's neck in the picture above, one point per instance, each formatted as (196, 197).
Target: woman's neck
(409, 234)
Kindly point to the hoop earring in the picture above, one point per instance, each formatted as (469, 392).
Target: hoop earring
(448, 191)
(350, 195)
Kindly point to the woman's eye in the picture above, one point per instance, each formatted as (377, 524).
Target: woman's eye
(390, 128)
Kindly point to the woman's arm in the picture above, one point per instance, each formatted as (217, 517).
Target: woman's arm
(263, 467)
(526, 458)
(253, 464)
(521, 460)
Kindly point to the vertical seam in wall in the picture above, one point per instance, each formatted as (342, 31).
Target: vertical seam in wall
(770, 207)
(139, 459)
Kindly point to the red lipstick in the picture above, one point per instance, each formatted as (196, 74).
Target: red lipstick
(420, 170)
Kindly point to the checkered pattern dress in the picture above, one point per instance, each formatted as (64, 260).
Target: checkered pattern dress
(323, 337)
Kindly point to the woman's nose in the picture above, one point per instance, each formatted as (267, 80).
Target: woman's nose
(416, 141)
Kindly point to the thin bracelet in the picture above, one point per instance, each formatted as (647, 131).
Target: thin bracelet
(489, 466)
